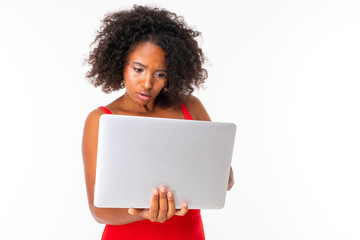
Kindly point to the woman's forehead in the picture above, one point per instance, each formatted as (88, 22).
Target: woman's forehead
(147, 53)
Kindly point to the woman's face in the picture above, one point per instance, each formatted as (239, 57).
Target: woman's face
(145, 73)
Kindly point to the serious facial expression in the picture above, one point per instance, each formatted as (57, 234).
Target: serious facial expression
(145, 73)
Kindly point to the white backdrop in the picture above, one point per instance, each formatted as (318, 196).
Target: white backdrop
(286, 72)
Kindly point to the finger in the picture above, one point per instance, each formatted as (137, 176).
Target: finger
(183, 210)
(137, 211)
(230, 186)
(154, 206)
(231, 180)
(133, 211)
(171, 205)
(163, 208)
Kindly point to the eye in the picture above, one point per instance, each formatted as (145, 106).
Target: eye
(139, 70)
(160, 75)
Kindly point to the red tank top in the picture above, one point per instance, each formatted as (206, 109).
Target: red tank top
(188, 227)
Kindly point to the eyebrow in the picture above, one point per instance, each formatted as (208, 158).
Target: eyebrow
(144, 66)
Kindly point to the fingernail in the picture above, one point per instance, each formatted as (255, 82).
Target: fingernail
(155, 192)
(169, 194)
(162, 190)
(185, 205)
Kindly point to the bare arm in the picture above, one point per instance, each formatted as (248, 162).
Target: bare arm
(198, 112)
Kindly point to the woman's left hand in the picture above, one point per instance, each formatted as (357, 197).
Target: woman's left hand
(231, 180)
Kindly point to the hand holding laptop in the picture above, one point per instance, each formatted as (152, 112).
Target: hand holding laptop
(162, 207)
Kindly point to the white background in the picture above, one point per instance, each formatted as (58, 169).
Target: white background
(286, 72)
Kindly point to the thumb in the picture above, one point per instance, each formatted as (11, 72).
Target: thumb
(133, 211)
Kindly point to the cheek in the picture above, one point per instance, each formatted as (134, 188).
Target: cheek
(128, 79)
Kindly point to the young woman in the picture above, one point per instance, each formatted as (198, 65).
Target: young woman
(153, 55)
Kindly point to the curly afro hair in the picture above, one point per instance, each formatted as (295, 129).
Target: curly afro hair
(121, 31)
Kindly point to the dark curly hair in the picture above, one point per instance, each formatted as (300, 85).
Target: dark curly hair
(121, 31)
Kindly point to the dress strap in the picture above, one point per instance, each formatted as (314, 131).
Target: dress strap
(106, 110)
(185, 112)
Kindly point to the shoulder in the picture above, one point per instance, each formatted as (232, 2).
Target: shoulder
(196, 108)
(94, 115)
(90, 136)
(92, 120)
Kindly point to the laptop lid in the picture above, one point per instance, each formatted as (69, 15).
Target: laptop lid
(137, 154)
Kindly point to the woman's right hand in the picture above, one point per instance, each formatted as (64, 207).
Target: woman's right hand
(162, 207)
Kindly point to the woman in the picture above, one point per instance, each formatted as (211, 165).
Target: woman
(153, 55)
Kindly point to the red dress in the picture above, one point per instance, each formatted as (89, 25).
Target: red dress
(188, 227)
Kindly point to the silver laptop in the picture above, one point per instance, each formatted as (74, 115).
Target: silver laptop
(137, 154)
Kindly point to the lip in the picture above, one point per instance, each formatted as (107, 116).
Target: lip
(144, 96)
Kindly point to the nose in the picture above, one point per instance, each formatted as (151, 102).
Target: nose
(147, 81)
